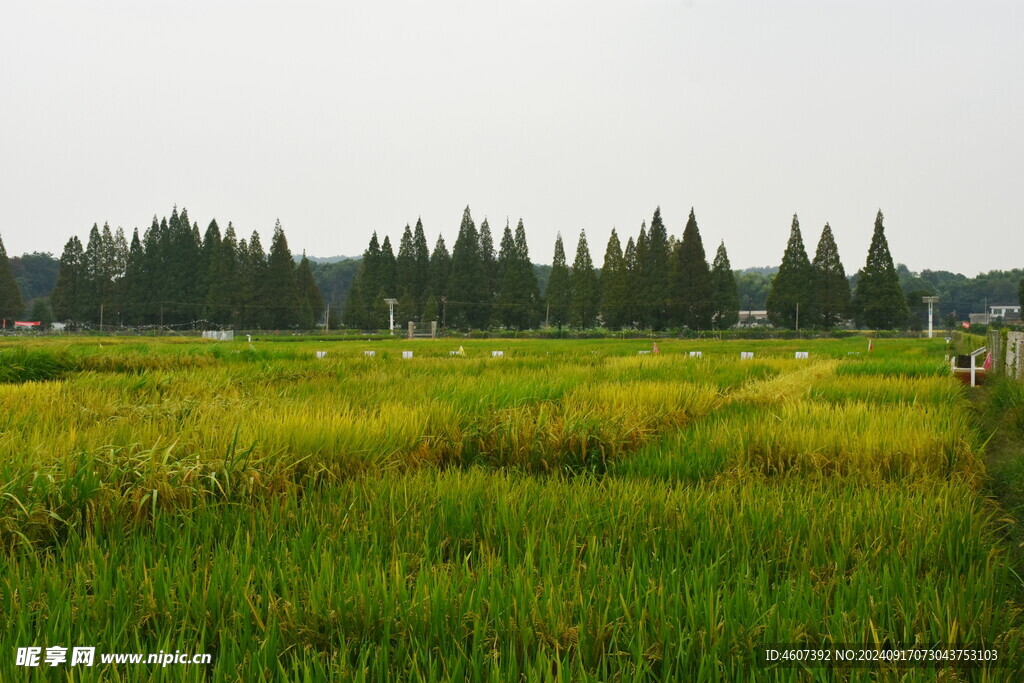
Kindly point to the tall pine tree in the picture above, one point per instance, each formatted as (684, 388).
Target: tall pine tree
(440, 280)
(469, 306)
(64, 299)
(310, 299)
(879, 303)
(530, 301)
(726, 297)
(655, 293)
(791, 288)
(829, 283)
(280, 292)
(631, 311)
(12, 307)
(559, 294)
(420, 280)
(614, 286)
(693, 290)
(585, 295)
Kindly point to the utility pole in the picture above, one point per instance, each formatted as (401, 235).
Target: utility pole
(444, 310)
(797, 316)
(327, 318)
(161, 316)
(101, 317)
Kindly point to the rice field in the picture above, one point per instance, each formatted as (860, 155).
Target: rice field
(572, 510)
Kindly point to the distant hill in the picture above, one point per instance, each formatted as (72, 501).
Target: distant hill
(326, 259)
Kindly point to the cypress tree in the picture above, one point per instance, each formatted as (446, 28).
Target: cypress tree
(91, 284)
(12, 307)
(630, 311)
(280, 292)
(791, 289)
(559, 293)
(489, 263)
(421, 268)
(388, 283)
(726, 297)
(585, 295)
(210, 254)
(255, 272)
(830, 286)
(657, 275)
(405, 277)
(309, 294)
(641, 281)
(530, 298)
(154, 264)
(222, 299)
(612, 285)
(64, 298)
(879, 303)
(468, 285)
(440, 277)
(405, 265)
(133, 283)
(509, 287)
(693, 288)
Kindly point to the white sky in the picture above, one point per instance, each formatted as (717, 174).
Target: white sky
(341, 117)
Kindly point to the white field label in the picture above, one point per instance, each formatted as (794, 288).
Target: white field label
(746, 355)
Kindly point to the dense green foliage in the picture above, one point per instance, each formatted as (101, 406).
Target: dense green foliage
(571, 511)
(693, 289)
(790, 295)
(585, 294)
(174, 276)
(12, 307)
(879, 302)
(559, 292)
(830, 290)
(725, 299)
(614, 282)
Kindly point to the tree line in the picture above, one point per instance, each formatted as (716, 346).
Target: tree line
(656, 281)
(173, 275)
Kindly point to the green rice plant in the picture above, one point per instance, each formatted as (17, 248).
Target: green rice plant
(491, 576)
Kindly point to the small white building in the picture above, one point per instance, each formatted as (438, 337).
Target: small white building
(1005, 311)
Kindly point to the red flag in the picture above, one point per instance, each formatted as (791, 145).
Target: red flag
(988, 362)
(655, 347)
(871, 344)
(966, 325)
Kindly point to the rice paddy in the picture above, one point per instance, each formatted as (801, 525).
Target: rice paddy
(570, 511)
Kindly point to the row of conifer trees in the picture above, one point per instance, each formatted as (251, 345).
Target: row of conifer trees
(173, 275)
(657, 281)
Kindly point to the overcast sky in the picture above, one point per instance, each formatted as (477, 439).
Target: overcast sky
(344, 118)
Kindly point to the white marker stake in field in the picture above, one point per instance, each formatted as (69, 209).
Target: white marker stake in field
(696, 354)
(406, 354)
(801, 355)
(746, 355)
(497, 354)
(321, 354)
(371, 354)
